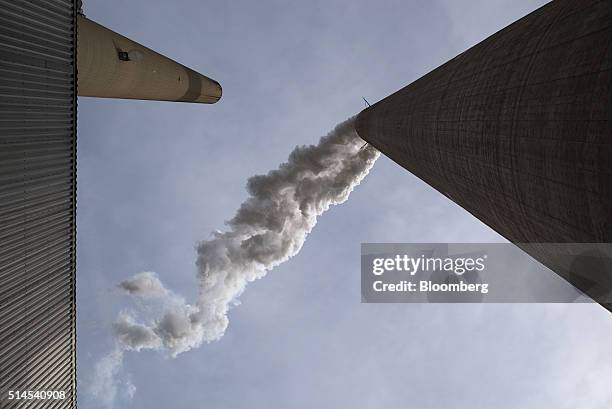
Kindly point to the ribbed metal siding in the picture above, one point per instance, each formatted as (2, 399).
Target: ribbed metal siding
(37, 200)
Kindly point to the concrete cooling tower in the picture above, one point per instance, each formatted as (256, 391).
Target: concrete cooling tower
(517, 130)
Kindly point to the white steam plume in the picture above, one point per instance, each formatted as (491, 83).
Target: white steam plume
(269, 228)
(145, 284)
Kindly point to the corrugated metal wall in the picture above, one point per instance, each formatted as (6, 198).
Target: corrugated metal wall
(37, 200)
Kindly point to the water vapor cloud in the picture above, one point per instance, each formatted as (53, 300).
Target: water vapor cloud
(269, 228)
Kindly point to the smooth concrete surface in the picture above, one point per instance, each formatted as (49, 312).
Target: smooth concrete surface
(113, 66)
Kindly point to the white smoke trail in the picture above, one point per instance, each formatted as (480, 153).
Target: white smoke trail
(103, 388)
(145, 284)
(269, 228)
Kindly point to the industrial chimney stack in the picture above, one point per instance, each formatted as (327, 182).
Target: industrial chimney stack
(113, 66)
(517, 130)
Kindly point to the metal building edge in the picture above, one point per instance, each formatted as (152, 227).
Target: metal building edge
(77, 8)
(38, 125)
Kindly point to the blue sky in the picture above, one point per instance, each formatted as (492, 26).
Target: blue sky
(154, 178)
